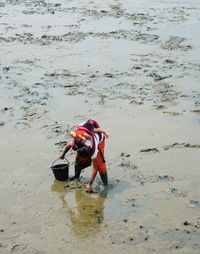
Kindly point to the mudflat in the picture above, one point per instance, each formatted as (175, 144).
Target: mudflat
(134, 67)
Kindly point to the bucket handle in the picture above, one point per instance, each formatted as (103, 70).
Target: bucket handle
(59, 159)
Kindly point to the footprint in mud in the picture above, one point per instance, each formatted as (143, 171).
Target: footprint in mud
(152, 179)
(176, 192)
(139, 178)
(195, 203)
(165, 178)
(125, 161)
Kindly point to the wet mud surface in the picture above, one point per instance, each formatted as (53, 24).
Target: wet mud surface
(135, 68)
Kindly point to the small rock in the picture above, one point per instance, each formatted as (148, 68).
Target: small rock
(6, 68)
(109, 75)
(149, 150)
(93, 76)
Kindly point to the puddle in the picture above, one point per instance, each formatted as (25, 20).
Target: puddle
(195, 203)
(165, 179)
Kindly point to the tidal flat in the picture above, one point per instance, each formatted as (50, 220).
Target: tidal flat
(134, 67)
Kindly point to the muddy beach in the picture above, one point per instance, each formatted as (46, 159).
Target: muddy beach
(135, 68)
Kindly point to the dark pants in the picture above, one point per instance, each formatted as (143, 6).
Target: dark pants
(80, 166)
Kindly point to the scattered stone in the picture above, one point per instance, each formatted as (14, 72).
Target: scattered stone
(136, 67)
(181, 145)
(176, 42)
(109, 75)
(186, 223)
(172, 113)
(155, 150)
(6, 69)
(169, 61)
(158, 77)
(197, 111)
(159, 107)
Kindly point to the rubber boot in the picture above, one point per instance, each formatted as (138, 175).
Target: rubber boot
(78, 167)
(77, 173)
(104, 178)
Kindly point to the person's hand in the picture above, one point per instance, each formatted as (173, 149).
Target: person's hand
(107, 135)
(62, 156)
(89, 188)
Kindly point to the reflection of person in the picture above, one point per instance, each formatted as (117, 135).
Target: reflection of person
(89, 152)
(88, 214)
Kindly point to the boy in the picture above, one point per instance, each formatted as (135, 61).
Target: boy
(89, 151)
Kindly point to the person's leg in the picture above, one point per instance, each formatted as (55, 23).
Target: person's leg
(92, 177)
(99, 165)
(79, 165)
(104, 178)
(101, 162)
(101, 168)
(95, 169)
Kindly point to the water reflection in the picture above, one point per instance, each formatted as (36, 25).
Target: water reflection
(87, 214)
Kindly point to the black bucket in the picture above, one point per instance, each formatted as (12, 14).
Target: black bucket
(61, 171)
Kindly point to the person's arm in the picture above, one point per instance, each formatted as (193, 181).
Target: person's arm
(90, 138)
(67, 148)
(102, 131)
(72, 134)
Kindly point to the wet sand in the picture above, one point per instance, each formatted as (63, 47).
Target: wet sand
(134, 67)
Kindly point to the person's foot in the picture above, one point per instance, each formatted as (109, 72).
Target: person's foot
(72, 178)
(89, 188)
